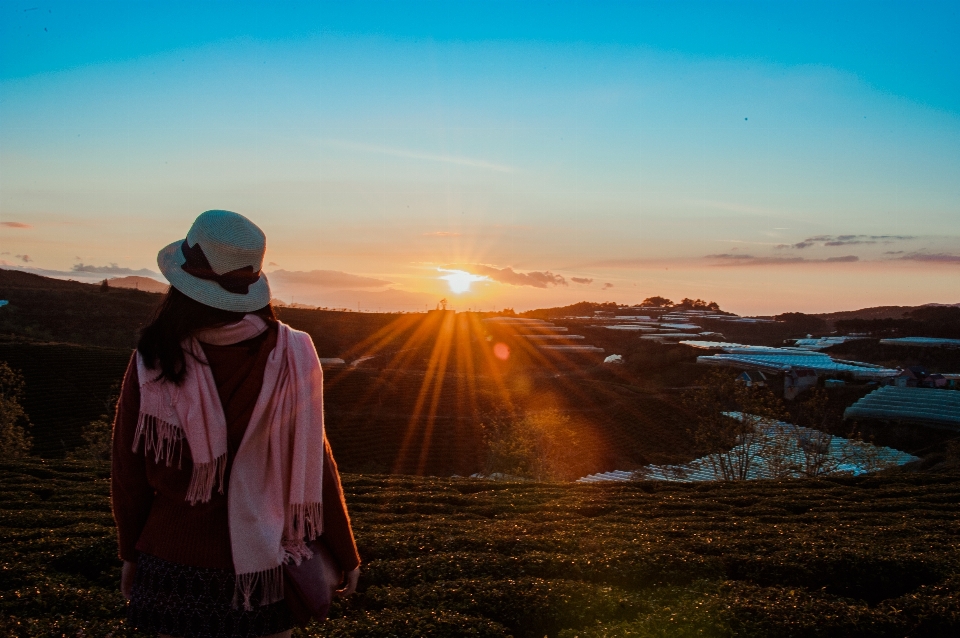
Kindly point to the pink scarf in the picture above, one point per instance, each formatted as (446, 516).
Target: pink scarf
(274, 496)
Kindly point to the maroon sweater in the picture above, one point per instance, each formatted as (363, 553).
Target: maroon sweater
(149, 503)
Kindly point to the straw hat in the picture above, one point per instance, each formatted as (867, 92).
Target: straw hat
(219, 262)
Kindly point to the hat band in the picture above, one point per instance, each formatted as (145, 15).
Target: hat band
(236, 281)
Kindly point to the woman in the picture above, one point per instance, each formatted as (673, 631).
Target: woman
(221, 469)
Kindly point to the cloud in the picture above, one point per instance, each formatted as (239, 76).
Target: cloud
(732, 256)
(15, 225)
(728, 259)
(24, 258)
(273, 263)
(937, 258)
(533, 278)
(893, 252)
(846, 240)
(607, 286)
(326, 279)
(849, 242)
(112, 269)
(441, 233)
(581, 280)
(844, 259)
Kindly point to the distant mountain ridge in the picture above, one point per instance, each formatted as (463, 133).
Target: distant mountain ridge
(876, 312)
(138, 283)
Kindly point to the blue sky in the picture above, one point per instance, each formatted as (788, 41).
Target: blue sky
(772, 156)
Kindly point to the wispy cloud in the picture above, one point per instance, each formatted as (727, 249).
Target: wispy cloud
(112, 269)
(24, 258)
(733, 259)
(581, 280)
(937, 258)
(441, 233)
(15, 225)
(420, 155)
(607, 286)
(800, 245)
(326, 279)
(846, 240)
(534, 278)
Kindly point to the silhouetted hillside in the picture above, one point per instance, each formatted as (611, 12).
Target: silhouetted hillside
(67, 386)
(69, 311)
(877, 312)
(927, 321)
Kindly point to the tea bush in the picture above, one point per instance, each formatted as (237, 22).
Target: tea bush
(870, 556)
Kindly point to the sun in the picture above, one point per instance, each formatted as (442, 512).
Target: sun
(460, 280)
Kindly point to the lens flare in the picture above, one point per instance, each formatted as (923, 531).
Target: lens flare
(501, 351)
(460, 280)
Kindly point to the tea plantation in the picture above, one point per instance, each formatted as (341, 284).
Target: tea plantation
(875, 556)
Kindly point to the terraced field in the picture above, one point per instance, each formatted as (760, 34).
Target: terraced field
(394, 420)
(405, 422)
(873, 556)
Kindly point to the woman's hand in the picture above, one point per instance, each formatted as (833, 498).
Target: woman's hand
(126, 578)
(350, 583)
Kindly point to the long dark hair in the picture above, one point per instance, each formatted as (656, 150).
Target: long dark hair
(176, 318)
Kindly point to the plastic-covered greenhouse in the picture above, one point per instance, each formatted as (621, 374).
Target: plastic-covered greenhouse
(929, 406)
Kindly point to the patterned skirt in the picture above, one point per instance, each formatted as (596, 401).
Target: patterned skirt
(196, 602)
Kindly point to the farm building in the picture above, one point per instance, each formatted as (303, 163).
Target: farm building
(752, 378)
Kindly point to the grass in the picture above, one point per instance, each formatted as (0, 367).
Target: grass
(873, 556)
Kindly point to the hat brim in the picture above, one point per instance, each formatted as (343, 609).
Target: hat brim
(170, 260)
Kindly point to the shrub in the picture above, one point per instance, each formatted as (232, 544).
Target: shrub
(541, 445)
(15, 441)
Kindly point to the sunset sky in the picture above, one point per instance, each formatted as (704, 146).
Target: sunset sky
(770, 156)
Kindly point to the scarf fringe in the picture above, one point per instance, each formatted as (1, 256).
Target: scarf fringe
(205, 476)
(269, 582)
(161, 437)
(295, 551)
(307, 520)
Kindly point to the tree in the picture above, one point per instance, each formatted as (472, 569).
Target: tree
(98, 434)
(657, 302)
(542, 446)
(698, 304)
(731, 423)
(104, 286)
(739, 429)
(15, 440)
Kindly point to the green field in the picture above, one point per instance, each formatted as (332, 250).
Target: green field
(873, 556)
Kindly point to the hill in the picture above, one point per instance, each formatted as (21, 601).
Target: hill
(138, 283)
(876, 312)
(67, 387)
(416, 406)
(864, 557)
(48, 309)
(425, 387)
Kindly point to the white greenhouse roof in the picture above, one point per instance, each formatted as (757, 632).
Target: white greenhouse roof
(844, 457)
(779, 362)
(930, 406)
